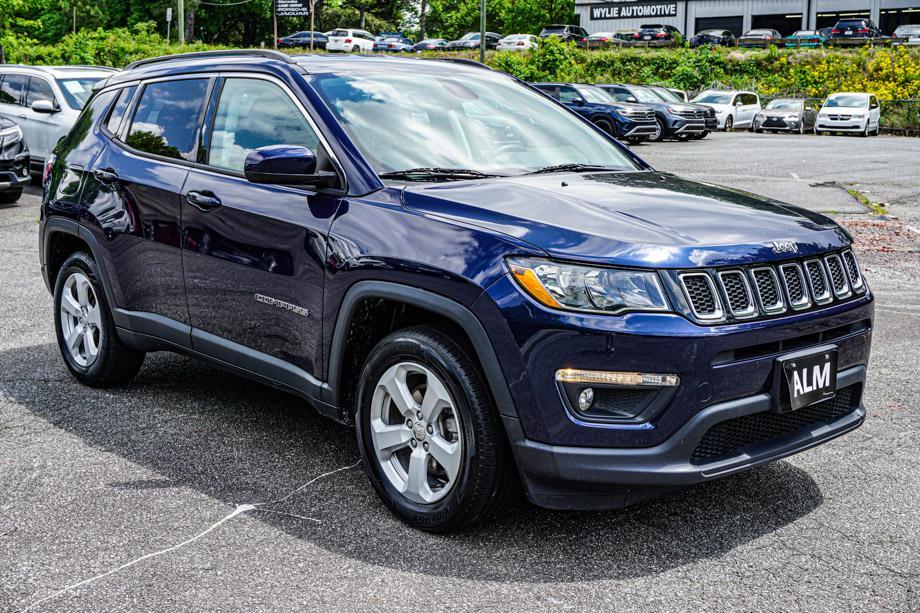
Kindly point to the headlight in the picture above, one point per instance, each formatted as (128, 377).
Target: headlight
(10, 136)
(858, 115)
(584, 288)
(760, 117)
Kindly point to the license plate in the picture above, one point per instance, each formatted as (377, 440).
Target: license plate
(848, 33)
(646, 38)
(808, 377)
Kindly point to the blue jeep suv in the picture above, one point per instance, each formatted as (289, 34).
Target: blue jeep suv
(497, 294)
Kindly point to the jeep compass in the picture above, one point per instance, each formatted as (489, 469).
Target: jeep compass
(492, 290)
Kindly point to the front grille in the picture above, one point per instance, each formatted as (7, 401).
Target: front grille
(702, 295)
(839, 117)
(693, 114)
(732, 436)
(767, 290)
(642, 115)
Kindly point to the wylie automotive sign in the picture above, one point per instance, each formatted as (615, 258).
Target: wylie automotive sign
(292, 8)
(629, 10)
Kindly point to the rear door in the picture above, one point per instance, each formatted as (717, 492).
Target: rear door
(254, 253)
(138, 182)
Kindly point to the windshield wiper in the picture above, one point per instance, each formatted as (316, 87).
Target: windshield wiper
(571, 168)
(436, 173)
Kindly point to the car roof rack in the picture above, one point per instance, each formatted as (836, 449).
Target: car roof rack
(266, 53)
(461, 60)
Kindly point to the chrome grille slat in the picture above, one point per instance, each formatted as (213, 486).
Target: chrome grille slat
(766, 285)
(794, 283)
(838, 276)
(738, 296)
(853, 271)
(818, 282)
(701, 294)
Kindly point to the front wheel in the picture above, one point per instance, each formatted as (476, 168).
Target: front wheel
(429, 436)
(865, 131)
(85, 330)
(635, 140)
(729, 123)
(658, 135)
(604, 125)
(10, 196)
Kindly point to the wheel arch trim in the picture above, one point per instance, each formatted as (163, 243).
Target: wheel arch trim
(452, 310)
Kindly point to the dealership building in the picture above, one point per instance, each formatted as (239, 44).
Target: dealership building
(739, 16)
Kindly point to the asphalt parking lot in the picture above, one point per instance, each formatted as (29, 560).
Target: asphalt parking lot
(192, 489)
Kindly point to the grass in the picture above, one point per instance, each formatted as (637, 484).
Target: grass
(875, 207)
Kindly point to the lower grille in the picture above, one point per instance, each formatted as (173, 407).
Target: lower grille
(727, 438)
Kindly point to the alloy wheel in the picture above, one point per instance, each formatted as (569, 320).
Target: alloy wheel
(729, 122)
(416, 432)
(81, 319)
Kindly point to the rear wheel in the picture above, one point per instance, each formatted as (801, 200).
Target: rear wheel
(11, 195)
(355, 49)
(85, 330)
(430, 439)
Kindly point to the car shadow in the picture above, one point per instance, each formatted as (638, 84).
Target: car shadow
(240, 442)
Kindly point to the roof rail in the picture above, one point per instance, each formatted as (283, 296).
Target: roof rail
(460, 60)
(266, 53)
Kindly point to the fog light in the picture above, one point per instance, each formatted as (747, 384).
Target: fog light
(585, 399)
(606, 377)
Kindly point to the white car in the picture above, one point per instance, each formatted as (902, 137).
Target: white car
(45, 101)
(734, 109)
(910, 33)
(351, 41)
(517, 42)
(849, 112)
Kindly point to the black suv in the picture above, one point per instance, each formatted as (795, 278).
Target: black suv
(489, 287)
(571, 34)
(855, 29)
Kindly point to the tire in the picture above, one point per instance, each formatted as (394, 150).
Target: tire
(11, 195)
(604, 125)
(802, 127)
(483, 475)
(818, 132)
(758, 130)
(683, 138)
(635, 140)
(78, 282)
(865, 131)
(701, 135)
(658, 136)
(355, 49)
(729, 123)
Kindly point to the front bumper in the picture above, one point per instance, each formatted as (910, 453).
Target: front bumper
(837, 125)
(14, 173)
(631, 128)
(559, 477)
(776, 123)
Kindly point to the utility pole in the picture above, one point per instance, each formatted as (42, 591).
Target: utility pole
(180, 19)
(312, 7)
(275, 23)
(74, 18)
(482, 31)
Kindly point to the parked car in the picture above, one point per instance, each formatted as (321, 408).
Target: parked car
(633, 123)
(858, 29)
(517, 42)
(672, 119)
(713, 38)
(762, 37)
(573, 34)
(657, 35)
(351, 41)
(45, 101)
(430, 44)
(303, 39)
(393, 44)
(672, 95)
(856, 112)
(908, 34)
(734, 109)
(805, 38)
(458, 304)
(786, 115)
(14, 162)
(470, 40)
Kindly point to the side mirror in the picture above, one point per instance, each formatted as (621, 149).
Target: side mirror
(631, 99)
(45, 106)
(286, 165)
(739, 103)
(578, 102)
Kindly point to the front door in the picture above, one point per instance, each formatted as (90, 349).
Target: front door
(42, 128)
(254, 253)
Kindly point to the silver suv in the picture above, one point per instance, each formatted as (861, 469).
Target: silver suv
(45, 101)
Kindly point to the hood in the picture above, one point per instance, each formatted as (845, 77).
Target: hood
(641, 218)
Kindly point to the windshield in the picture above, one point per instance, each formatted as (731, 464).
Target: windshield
(553, 29)
(483, 122)
(760, 33)
(714, 98)
(711, 33)
(339, 33)
(77, 91)
(791, 105)
(643, 95)
(806, 33)
(666, 95)
(594, 94)
(851, 101)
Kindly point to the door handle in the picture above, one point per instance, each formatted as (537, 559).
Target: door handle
(203, 201)
(105, 175)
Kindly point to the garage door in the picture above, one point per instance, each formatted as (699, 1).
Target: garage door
(735, 24)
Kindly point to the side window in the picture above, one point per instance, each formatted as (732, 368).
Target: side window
(873, 102)
(12, 88)
(549, 90)
(39, 89)
(166, 119)
(621, 94)
(568, 94)
(252, 113)
(119, 109)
